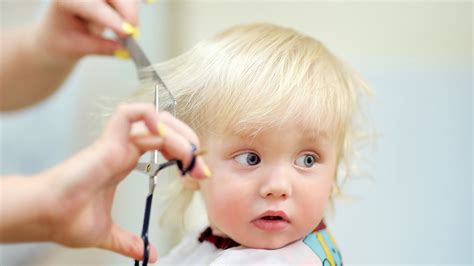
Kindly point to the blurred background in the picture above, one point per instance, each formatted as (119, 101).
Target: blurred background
(417, 57)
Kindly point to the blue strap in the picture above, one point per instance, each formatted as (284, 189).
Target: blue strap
(146, 222)
(149, 199)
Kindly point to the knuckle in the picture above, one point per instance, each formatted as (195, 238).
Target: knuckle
(122, 108)
(195, 140)
(150, 108)
(114, 157)
(164, 115)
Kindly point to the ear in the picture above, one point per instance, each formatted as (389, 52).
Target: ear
(190, 183)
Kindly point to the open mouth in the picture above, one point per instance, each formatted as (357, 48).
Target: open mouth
(272, 221)
(272, 218)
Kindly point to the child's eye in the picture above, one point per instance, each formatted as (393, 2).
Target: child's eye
(248, 158)
(307, 160)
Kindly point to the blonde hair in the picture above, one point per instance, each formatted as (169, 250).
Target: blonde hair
(259, 76)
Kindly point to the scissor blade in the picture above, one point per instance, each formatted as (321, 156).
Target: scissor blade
(141, 61)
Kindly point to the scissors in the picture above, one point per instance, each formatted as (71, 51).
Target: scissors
(141, 62)
(153, 167)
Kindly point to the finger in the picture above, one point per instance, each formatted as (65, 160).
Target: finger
(89, 35)
(95, 29)
(125, 115)
(127, 9)
(200, 170)
(92, 44)
(98, 12)
(127, 244)
(179, 126)
(146, 142)
(175, 146)
(133, 112)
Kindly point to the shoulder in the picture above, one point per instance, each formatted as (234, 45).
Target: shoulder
(323, 245)
(295, 253)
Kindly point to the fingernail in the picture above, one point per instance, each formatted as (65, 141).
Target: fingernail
(136, 34)
(129, 29)
(207, 172)
(122, 54)
(161, 129)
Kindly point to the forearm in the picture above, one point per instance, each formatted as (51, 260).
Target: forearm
(27, 75)
(23, 204)
(34, 208)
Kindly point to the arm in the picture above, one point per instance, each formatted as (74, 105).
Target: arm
(35, 60)
(22, 211)
(26, 76)
(71, 203)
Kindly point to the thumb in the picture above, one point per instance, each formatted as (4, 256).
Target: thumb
(123, 242)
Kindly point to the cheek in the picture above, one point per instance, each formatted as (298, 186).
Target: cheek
(225, 203)
(313, 199)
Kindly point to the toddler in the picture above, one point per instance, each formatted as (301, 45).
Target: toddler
(275, 111)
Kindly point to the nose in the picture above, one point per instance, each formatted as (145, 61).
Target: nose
(276, 184)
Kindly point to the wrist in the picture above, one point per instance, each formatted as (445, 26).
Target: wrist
(56, 203)
(46, 203)
(24, 201)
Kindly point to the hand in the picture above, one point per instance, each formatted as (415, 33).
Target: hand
(49, 50)
(72, 29)
(74, 199)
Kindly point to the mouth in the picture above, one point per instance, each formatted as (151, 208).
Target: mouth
(271, 221)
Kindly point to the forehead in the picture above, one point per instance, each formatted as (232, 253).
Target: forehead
(289, 132)
(292, 127)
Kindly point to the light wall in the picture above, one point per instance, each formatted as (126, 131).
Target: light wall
(416, 56)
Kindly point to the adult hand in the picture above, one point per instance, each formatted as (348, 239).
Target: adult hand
(71, 203)
(47, 51)
(72, 29)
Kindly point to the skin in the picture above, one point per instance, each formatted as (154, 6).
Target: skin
(47, 51)
(71, 203)
(238, 192)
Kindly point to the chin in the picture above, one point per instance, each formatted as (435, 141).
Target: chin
(267, 243)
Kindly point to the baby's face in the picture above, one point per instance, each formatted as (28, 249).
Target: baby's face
(269, 190)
